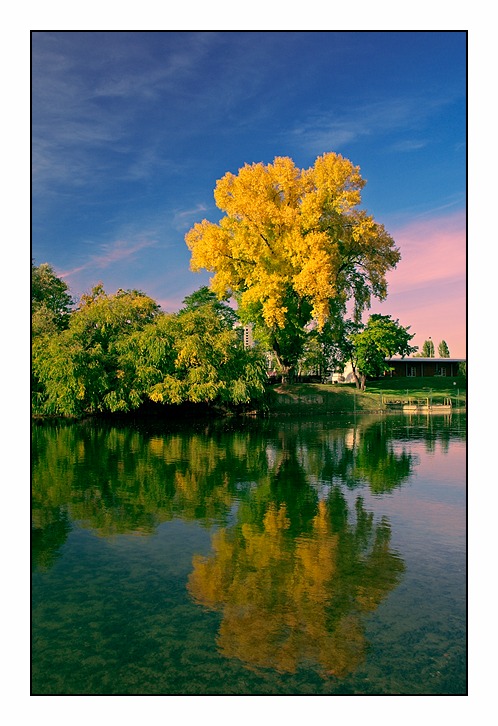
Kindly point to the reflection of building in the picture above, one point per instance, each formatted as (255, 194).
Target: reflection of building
(417, 367)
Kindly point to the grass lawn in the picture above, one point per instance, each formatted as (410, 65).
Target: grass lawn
(345, 398)
(437, 387)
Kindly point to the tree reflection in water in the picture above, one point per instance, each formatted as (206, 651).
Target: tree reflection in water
(286, 599)
(298, 559)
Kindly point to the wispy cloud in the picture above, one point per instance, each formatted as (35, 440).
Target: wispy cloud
(110, 254)
(409, 145)
(339, 127)
(94, 94)
(184, 218)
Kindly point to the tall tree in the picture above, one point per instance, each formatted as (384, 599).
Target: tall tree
(291, 241)
(443, 350)
(428, 349)
(381, 338)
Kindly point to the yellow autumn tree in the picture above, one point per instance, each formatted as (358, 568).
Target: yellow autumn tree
(293, 246)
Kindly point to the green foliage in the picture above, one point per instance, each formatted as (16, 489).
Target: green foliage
(443, 350)
(381, 338)
(120, 350)
(50, 300)
(427, 349)
(210, 363)
(79, 370)
(328, 349)
(287, 342)
(204, 296)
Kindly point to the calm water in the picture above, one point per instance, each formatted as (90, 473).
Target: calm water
(255, 557)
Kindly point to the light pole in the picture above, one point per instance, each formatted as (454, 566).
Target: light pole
(458, 393)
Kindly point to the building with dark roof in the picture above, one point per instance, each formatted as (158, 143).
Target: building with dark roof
(419, 367)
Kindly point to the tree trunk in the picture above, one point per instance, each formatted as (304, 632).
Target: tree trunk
(286, 367)
(356, 377)
(287, 374)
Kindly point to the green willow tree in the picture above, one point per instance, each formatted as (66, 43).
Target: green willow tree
(120, 351)
(208, 361)
(79, 368)
(291, 242)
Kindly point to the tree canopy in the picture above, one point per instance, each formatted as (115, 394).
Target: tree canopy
(443, 350)
(204, 296)
(50, 299)
(381, 338)
(291, 242)
(427, 349)
(119, 351)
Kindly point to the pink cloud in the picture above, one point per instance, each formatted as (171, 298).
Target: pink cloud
(432, 251)
(428, 288)
(111, 253)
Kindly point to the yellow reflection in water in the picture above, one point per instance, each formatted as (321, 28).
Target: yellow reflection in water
(290, 601)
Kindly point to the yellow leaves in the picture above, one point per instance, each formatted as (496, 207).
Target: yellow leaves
(290, 236)
(339, 181)
(274, 313)
(208, 243)
(316, 280)
(156, 395)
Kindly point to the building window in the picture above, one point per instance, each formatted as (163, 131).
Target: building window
(412, 371)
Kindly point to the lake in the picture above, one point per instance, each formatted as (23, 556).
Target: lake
(250, 556)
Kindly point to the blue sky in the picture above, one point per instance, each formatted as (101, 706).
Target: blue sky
(131, 130)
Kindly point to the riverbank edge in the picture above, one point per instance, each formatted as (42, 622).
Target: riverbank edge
(282, 400)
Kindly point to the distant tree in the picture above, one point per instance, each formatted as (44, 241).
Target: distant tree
(381, 338)
(50, 300)
(443, 350)
(428, 349)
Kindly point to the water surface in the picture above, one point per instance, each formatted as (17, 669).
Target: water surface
(321, 556)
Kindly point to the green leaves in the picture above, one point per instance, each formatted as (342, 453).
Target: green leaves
(120, 351)
(381, 338)
(50, 300)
